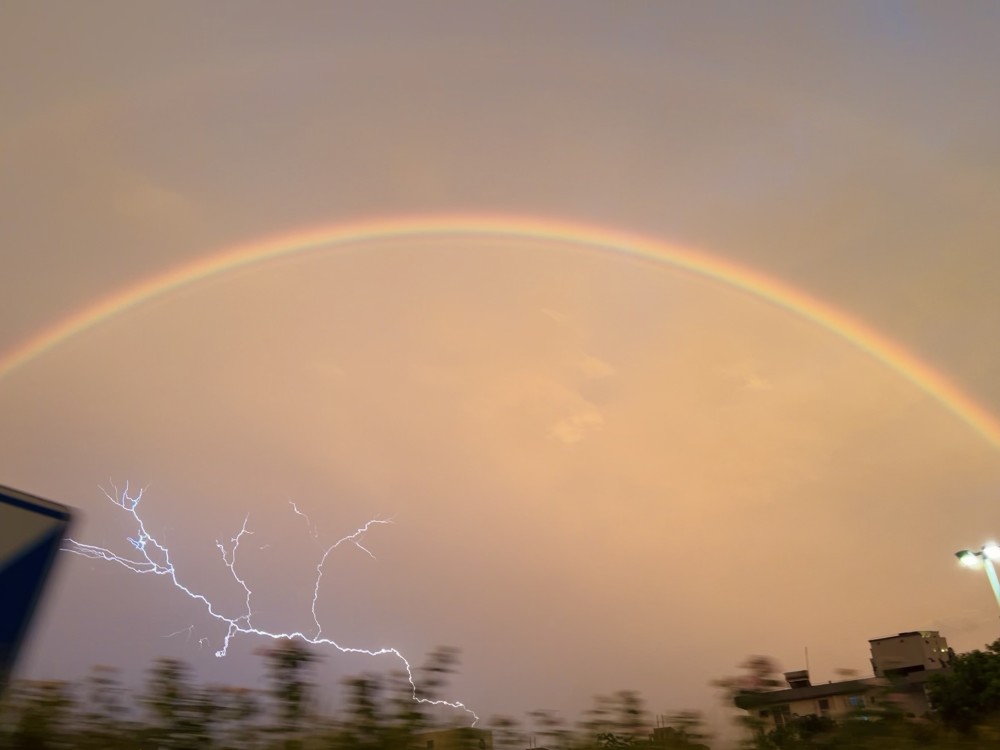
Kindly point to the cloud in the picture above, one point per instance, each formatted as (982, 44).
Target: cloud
(747, 376)
(140, 200)
(963, 623)
(595, 368)
(555, 315)
(575, 428)
(331, 369)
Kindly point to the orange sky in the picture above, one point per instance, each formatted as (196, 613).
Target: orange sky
(602, 475)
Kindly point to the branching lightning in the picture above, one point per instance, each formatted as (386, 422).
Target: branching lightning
(189, 630)
(154, 558)
(313, 531)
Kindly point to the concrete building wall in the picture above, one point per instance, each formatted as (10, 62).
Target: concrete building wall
(902, 665)
(909, 652)
(839, 700)
(785, 705)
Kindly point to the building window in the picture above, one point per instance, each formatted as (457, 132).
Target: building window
(782, 715)
(824, 706)
(857, 701)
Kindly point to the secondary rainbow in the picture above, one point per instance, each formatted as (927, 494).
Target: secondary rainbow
(576, 235)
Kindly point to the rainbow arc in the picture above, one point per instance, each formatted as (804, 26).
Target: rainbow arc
(577, 235)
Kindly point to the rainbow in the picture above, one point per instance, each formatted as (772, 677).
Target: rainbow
(573, 234)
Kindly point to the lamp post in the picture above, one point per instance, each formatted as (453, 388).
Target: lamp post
(983, 558)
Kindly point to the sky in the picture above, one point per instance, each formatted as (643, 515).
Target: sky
(602, 473)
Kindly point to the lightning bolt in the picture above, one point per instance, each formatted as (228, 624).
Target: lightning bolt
(154, 558)
(189, 630)
(313, 531)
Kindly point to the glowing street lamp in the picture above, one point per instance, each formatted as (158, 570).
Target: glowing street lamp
(983, 558)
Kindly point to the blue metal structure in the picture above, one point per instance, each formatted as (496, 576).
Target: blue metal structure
(31, 532)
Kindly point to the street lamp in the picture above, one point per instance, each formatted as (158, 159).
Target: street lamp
(984, 558)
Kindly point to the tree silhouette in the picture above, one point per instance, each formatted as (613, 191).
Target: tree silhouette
(287, 663)
(968, 693)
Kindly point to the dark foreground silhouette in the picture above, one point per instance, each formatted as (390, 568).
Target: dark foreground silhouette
(172, 712)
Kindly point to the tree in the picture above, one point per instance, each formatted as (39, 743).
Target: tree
(550, 727)
(238, 710)
(41, 714)
(287, 663)
(968, 693)
(759, 674)
(183, 714)
(684, 730)
(441, 663)
(599, 718)
(630, 714)
(362, 727)
(802, 733)
(102, 723)
(507, 733)
(617, 720)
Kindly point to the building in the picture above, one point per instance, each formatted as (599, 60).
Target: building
(905, 653)
(901, 665)
(458, 738)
